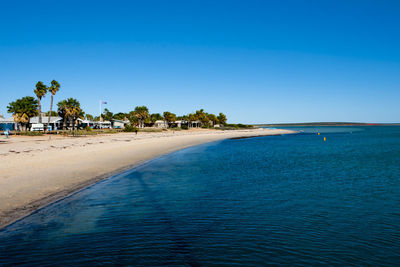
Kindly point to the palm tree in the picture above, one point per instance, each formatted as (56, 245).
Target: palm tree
(192, 117)
(222, 118)
(63, 112)
(155, 117)
(213, 119)
(40, 92)
(107, 115)
(89, 117)
(75, 111)
(55, 86)
(169, 117)
(70, 109)
(23, 109)
(120, 116)
(141, 113)
(202, 117)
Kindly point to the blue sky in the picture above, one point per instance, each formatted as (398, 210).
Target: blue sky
(256, 61)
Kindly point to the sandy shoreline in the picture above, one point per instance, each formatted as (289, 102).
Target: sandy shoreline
(35, 171)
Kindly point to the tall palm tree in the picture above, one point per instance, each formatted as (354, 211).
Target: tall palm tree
(63, 111)
(55, 86)
(40, 92)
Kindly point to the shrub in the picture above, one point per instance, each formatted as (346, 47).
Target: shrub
(184, 127)
(130, 128)
(150, 130)
(32, 133)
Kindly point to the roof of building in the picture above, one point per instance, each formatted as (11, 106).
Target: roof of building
(94, 122)
(7, 120)
(45, 119)
(121, 121)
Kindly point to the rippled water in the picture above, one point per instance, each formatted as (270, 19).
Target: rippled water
(291, 199)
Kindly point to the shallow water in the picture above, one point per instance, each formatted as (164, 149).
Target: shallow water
(291, 199)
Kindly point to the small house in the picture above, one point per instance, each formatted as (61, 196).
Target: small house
(160, 124)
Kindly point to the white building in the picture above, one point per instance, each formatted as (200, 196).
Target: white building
(160, 124)
(95, 124)
(56, 122)
(119, 124)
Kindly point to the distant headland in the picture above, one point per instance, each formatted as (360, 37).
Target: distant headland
(326, 124)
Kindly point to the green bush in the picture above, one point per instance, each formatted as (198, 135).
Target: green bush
(31, 133)
(235, 127)
(130, 128)
(184, 127)
(150, 130)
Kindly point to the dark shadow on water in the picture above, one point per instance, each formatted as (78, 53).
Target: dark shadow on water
(182, 247)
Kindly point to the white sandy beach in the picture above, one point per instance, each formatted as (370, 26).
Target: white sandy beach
(35, 171)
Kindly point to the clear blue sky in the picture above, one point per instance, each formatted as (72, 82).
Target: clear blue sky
(256, 61)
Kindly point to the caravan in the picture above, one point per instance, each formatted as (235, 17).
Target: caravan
(37, 127)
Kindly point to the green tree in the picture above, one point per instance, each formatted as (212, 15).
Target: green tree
(156, 117)
(192, 117)
(70, 110)
(89, 117)
(169, 117)
(202, 117)
(53, 113)
(213, 119)
(53, 89)
(132, 118)
(141, 113)
(120, 116)
(23, 109)
(40, 92)
(107, 115)
(222, 118)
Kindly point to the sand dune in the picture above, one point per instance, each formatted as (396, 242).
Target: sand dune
(35, 171)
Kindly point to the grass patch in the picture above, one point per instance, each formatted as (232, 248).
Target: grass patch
(238, 126)
(30, 133)
(150, 130)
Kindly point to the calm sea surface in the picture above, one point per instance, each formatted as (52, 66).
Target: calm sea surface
(291, 199)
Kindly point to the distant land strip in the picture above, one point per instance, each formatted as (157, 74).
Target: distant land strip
(327, 124)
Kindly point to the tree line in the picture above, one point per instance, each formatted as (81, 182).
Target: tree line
(70, 111)
(141, 117)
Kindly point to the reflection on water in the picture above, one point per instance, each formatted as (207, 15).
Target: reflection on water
(271, 200)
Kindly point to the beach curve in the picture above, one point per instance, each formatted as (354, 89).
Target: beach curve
(35, 172)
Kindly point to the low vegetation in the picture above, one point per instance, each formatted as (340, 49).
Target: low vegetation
(238, 126)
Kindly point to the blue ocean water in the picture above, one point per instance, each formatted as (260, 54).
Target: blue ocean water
(291, 199)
